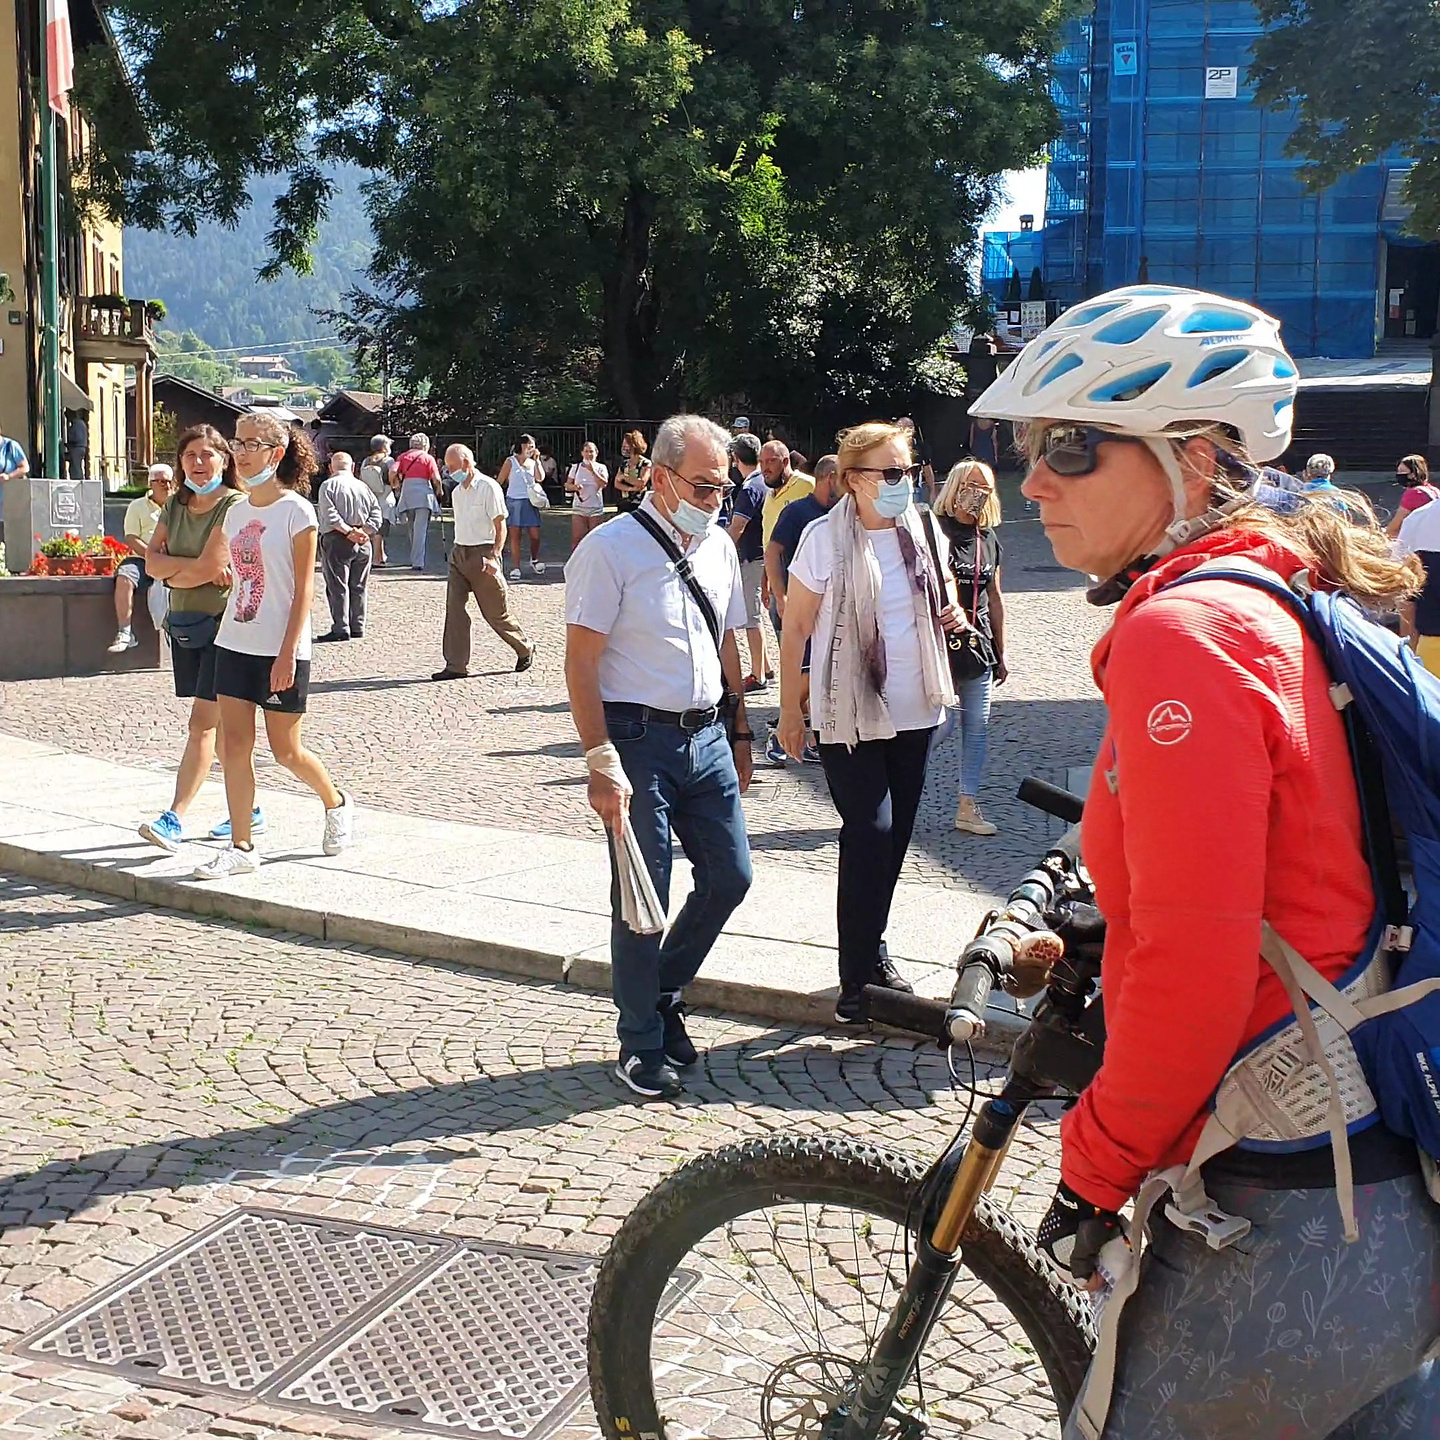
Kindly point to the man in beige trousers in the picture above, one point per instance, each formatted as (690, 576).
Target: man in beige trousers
(475, 568)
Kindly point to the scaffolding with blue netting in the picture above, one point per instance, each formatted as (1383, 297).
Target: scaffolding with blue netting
(1166, 168)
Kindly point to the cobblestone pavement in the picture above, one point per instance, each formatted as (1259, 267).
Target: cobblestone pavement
(157, 1071)
(500, 749)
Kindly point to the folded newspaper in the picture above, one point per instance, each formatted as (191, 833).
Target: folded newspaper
(640, 906)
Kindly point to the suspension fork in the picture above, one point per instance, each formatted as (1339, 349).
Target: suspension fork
(937, 1261)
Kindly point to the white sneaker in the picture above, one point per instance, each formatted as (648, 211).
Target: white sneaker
(339, 826)
(230, 861)
(515, 573)
(124, 640)
(537, 567)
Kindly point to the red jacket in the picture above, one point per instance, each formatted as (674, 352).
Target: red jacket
(1222, 793)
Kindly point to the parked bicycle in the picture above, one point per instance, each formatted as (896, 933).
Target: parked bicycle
(803, 1286)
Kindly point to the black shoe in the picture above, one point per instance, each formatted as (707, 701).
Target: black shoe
(448, 674)
(852, 1008)
(357, 634)
(525, 661)
(333, 635)
(649, 1074)
(889, 978)
(679, 1050)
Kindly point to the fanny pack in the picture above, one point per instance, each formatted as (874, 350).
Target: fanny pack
(192, 629)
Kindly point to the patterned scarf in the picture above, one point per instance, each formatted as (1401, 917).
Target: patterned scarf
(849, 700)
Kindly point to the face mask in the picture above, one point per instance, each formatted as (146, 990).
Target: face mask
(972, 502)
(267, 473)
(692, 520)
(893, 500)
(207, 489)
(457, 476)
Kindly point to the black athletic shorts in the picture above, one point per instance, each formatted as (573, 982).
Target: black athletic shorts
(247, 677)
(194, 671)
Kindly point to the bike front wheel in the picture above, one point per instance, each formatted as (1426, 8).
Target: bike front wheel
(743, 1295)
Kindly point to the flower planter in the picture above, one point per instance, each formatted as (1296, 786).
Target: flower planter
(66, 564)
(102, 564)
(62, 626)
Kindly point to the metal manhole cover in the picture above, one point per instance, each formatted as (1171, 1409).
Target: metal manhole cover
(413, 1330)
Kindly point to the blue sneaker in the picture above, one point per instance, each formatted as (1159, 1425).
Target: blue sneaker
(811, 753)
(774, 750)
(257, 825)
(166, 831)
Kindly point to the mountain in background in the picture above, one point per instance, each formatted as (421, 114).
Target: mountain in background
(208, 283)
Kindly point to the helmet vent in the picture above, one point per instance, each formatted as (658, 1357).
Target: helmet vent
(1132, 386)
(1218, 362)
(1063, 366)
(1086, 314)
(1284, 370)
(1130, 328)
(1214, 321)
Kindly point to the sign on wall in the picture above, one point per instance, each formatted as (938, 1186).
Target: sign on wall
(1032, 318)
(64, 506)
(1127, 57)
(1222, 82)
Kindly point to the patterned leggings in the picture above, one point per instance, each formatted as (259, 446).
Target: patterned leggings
(1291, 1334)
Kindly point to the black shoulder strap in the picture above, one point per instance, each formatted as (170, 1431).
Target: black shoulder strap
(686, 572)
(1364, 755)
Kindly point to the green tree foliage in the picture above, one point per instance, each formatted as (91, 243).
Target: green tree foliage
(185, 354)
(659, 202)
(324, 367)
(1362, 77)
(209, 283)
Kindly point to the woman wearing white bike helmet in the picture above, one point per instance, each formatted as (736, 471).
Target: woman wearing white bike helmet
(1223, 795)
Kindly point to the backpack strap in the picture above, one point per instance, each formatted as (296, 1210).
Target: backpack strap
(1364, 756)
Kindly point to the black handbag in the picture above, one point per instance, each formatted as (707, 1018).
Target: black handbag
(192, 629)
(970, 650)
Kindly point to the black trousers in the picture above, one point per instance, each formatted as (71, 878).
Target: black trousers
(876, 788)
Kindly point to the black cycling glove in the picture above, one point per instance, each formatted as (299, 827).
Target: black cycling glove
(1074, 1231)
(1081, 927)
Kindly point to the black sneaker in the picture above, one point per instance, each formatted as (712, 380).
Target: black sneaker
(649, 1075)
(889, 978)
(851, 1008)
(679, 1050)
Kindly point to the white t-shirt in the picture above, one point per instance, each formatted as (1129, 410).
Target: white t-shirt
(590, 480)
(262, 555)
(477, 506)
(517, 482)
(905, 681)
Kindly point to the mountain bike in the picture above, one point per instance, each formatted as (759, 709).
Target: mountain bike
(813, 1286)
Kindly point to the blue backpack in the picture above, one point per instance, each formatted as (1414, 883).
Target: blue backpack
(1391, 707)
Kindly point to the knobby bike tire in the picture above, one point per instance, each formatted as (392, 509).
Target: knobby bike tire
(731, 1182)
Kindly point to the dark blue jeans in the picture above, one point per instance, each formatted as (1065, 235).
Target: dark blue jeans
(685, 783)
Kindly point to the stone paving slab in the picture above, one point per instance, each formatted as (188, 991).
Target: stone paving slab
(511, 900)
(158, 1070)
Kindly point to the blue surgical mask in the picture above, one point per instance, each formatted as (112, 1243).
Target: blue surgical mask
(690, 519)
(268, 473)
(209, 488)
(892, 501)
(458, 476)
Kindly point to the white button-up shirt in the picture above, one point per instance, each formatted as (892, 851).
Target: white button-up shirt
(477, 506)
(620, 583)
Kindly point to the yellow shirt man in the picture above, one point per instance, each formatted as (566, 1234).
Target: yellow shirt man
(796, 487)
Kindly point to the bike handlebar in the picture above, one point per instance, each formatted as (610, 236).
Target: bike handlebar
(1062, 804)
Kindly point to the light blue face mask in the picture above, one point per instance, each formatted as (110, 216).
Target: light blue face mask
(268, 473)
(209, 488)
(691, 520)
(457, 476)
(892, 501)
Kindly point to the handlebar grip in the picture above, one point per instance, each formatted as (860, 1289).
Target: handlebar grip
(913, 1013)
(965, 1019)
(1062, 804)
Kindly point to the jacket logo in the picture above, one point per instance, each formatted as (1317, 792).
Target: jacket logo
(1168, 723)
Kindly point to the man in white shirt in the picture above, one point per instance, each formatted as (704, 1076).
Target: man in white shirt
(650, 682)
(141, 517)
(479, 505)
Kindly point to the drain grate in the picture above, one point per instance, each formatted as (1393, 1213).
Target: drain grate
(400, 1327)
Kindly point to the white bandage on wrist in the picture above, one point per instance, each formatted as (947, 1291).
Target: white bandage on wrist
(605, 760)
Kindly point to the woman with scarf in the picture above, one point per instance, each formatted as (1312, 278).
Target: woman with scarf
(864, 582)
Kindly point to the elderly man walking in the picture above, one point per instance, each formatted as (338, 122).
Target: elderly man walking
(475, 568)
(131, 578)
(652, 603)
(420, 494)
(349, 516)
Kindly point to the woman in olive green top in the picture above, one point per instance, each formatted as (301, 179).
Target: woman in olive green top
(189, 552)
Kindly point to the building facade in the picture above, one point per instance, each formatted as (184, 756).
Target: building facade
(1167, 170)
(102, 333)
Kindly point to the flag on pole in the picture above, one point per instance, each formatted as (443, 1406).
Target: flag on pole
(59, 54)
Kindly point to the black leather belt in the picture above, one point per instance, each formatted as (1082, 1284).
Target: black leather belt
(688, 720)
